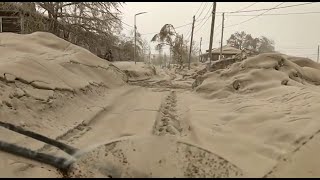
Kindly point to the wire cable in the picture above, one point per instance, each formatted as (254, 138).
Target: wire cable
(280, 14)
(207, 18)
(204, 7)
(245, 7)
(199, 8)
(174, 28)
(294, 5)
(255, 16)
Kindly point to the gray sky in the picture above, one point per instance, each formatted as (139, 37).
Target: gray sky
(297, 34)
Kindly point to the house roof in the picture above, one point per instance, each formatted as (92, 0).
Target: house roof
(17, 9)
(226, 50)
(8, 13)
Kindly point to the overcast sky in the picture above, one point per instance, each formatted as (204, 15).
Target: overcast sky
(295, 34)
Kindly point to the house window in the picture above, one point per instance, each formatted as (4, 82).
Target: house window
(10, 24)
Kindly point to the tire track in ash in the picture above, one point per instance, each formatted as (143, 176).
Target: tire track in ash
(194, 160)
(162, 84)
(84, 126)
(301, 142)
(167, 122)
(67, 137)
(76, 132)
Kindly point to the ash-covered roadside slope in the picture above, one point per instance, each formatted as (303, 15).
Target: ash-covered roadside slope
(261, 72)
(48, 86)
(261, 114)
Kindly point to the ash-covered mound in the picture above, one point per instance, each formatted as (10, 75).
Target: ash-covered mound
(48, 86)
(304, 62)
(48, 62)
(259, 73)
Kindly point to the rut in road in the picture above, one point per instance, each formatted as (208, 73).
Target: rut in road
(67, 137)
(167, 121)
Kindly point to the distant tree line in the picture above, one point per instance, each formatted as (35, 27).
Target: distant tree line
(95, 26)
(242, 40)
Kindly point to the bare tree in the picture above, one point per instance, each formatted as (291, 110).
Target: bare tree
(92, 25)
(97, 17)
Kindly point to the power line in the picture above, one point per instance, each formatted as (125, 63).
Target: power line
(242, 10)
(202, 24)
(262, 14)
(191, 23)
(174, 28)
(255, 16)
(205, 17)
(314, 12)
(199, 8)
(188, 35)
(202, 19)
(205, 20)
(183, 25)
(126, 24)
(276, 14)
(214, 27)
(204, 7)
(125, 28)
(215, 33)
(294, 5)
(246, 7)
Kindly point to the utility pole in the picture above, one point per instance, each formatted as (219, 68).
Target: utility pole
(318, 54)
(212, 30)
(160, 58)
(170, 57)
(182, 41)
(135, 40)
(200, 50)
(186, 46)
(221, 36)
(180, 59)
(191, 41)
(149, 54)
(182, 45)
